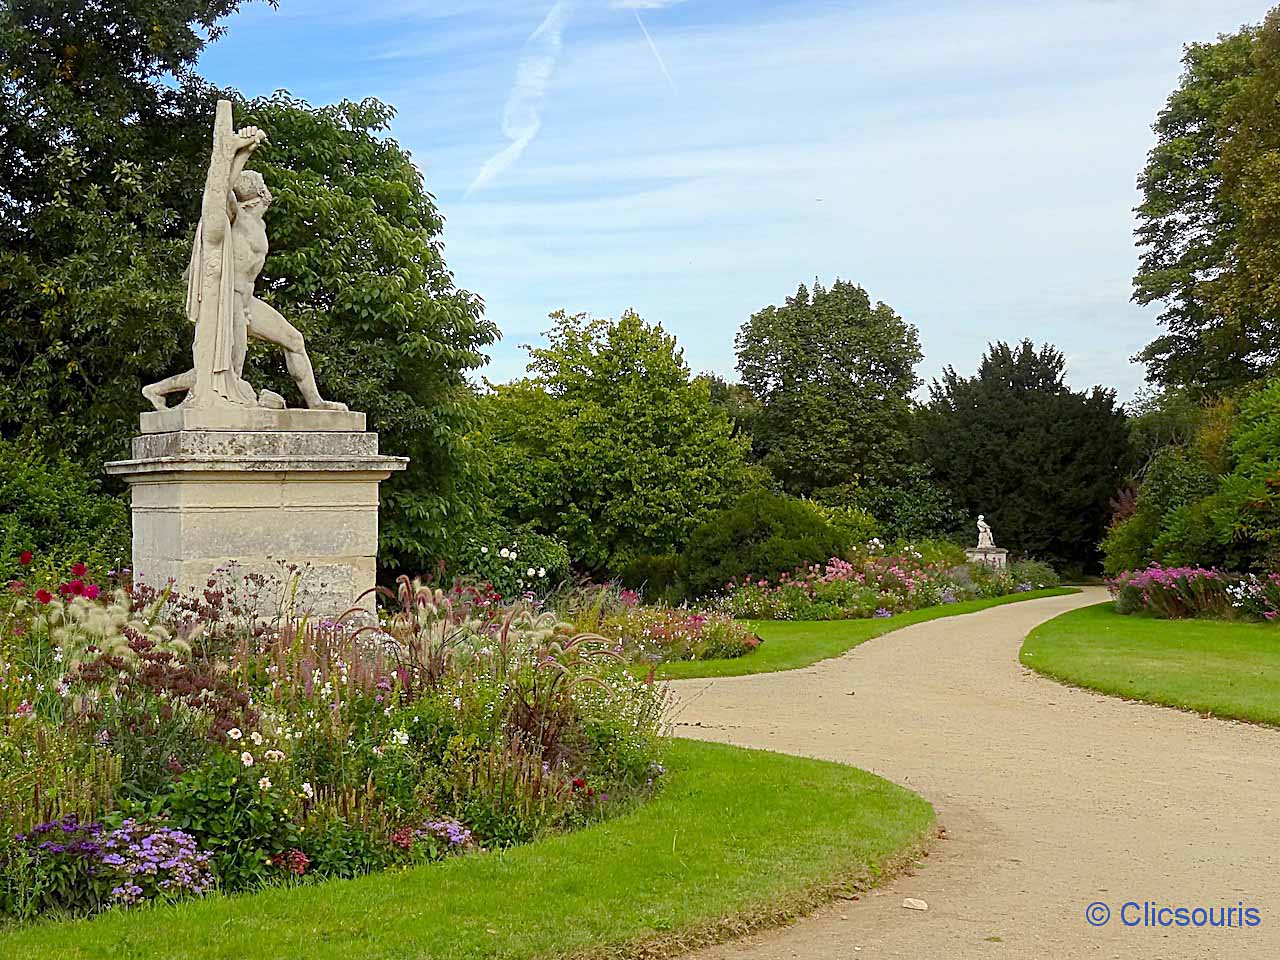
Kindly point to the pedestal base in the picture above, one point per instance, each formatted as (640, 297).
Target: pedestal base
(204, 499)
(994, 557)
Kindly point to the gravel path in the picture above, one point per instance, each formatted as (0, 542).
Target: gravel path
(1052, 798)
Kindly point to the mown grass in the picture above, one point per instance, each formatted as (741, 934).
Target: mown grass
(791, 644)
(736, 840)
(1212, 667)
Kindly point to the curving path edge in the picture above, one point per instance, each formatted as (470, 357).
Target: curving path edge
(1052, 798)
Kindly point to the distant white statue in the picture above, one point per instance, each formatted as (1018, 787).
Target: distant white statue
(985, 539)
(229, 251)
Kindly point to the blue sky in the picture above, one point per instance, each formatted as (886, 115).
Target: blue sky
(971, 164)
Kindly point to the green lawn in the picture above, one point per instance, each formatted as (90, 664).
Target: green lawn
(1224, 669)
(790, 644)
(737, 839)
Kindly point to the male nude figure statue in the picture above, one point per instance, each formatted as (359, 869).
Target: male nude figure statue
(228, 254)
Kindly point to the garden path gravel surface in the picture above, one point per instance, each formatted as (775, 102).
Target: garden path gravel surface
(1052, 798)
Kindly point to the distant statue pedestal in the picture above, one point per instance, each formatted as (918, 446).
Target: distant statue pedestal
(994, 557)
(258, 487)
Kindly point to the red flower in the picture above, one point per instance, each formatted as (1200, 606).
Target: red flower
(25, 558)
(44, 596)
(578, 783)
(75, 587)
(78, 569)
(92, 591)
(17, 586)
(295, 861)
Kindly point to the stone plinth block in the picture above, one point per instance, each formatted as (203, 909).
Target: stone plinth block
(241, 419)
(994, 557)
(205, 498)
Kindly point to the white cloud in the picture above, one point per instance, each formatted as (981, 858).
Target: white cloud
(522, 117)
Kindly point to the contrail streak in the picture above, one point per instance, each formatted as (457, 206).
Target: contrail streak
(654, 47)
(523, 114)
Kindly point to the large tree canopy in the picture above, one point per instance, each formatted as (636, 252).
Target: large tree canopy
(1015, 443)
(610, 445)
(1209, 216)
(832, 376)
(107, 137)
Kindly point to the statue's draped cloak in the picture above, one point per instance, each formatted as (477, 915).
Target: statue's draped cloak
(211, 306)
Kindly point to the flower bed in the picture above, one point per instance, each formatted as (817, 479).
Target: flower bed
(872, 584)
(1176, 593)
(156, 746)
(669, 634)
(652, 634)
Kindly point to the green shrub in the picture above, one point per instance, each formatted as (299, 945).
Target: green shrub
(1190, 537)
(762, 534)
(914, 508)
(853, 523)
(657, 575)
(515, 562)
(222, 806)
(1035, 574)
(52, 508)
(942, 552)
(1175, 479)
(1128, 544)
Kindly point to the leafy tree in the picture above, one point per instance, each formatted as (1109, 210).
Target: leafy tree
(609, 444)
(832, 376)
(1207, 223)
(913, 508)
(1212, 500)
(1015, 443)
(106, 131)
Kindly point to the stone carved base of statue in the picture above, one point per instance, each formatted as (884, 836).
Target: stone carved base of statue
(994, 557)
(257, 488)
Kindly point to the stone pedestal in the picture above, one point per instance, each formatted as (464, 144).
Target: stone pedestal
(210, 488)
(994, 557)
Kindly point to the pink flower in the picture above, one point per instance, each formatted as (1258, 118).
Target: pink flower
(91, 591)
(44, 596)
(78, 569)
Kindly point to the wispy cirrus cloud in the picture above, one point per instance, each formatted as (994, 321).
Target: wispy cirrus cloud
(522, 117)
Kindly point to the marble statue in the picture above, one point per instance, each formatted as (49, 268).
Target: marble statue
(985, 539)
(229, 251)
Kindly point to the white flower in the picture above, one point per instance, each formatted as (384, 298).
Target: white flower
(514, 554)
(274, 756)
(542, 571)
(457, 703)
(256, 737)
(504, 553)
(484, 549)
(234, 733)
(400, 737)
(264, 783)
(530, 572)
(308, 791)
(246, 758)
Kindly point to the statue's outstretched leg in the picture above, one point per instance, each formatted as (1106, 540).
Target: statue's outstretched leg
(266, 323)
(157, 392)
